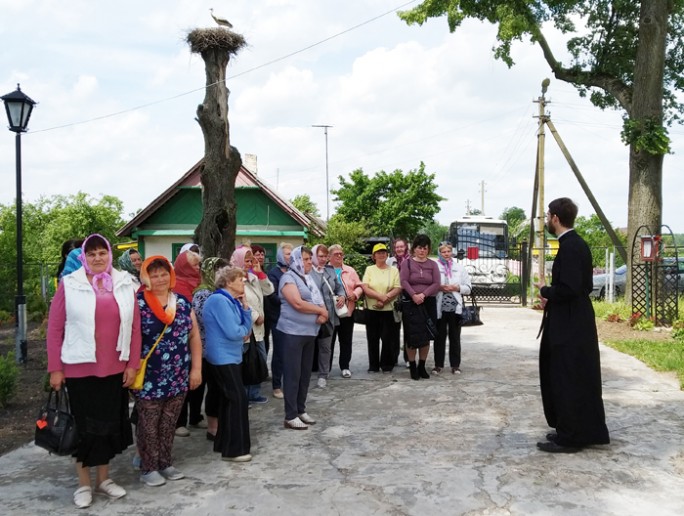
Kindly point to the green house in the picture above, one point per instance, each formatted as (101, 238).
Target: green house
(263, 217)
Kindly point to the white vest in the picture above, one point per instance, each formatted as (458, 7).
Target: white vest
(79, 330)
(459, 276)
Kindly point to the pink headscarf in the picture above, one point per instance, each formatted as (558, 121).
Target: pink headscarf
(238, 257)
(104, 277)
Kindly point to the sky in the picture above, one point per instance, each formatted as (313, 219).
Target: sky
(117, 91)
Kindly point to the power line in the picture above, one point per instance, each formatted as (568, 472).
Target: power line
(263, 65)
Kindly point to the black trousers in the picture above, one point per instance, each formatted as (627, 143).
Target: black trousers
(380, 326)
(345, 332)
(449, 325)
(232, 438)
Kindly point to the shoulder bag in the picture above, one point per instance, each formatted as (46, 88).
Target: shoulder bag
(56, 425)
(360, 314)
(470, 316)
(342, 311)
(139, 381)
(254, 367)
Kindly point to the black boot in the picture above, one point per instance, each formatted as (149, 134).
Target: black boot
(421, 370)
(414, 371)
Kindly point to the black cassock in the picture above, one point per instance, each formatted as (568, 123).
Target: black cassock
(569, 361)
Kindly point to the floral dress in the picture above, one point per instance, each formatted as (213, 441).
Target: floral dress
(168, 367)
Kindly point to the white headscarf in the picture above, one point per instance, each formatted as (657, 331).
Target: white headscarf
(297, 266)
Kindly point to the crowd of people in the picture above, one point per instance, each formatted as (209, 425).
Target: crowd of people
(194, 319)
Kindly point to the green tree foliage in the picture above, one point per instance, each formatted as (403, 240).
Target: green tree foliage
(518, 225)
(304, 204)
(47, 223)
(591, 229)
(389, 204)
(437, 233)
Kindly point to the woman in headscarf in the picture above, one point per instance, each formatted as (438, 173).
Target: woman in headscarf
(93, 346)
(273, 313)
(454, 284)
(333, 295)
(187, 271)
(258, 285)
(67, 247)
(228, 322)
(260, 256)
(352, 285)
(302, 311)
(210, 266)
(131, 262)
(169, 325)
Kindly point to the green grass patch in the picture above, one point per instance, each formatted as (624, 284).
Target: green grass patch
(667, 355)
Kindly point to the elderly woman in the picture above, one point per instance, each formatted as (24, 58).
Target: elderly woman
(333, 296)
(351, 283)
(272, 303)
(228, 322)
(210, 266)
(187, 271)
(381, 286)
(169, 329)
(260, 257)
(131, 262)
(302, 312)
(257, 286)
(420, 281)
(93, 346)
(401, 254)
(454, 284)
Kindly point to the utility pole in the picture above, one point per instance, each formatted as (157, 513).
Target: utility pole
(541, 212)
(327, 186)
(482, 192)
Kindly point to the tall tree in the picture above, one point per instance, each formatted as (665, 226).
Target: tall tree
(216, 231)
(304, 204)
(396, 204)
(626, 54)
(518, 225)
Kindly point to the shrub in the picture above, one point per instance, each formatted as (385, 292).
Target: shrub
(678, 330)
(9, 376)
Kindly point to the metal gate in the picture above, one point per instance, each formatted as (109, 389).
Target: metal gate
(499, 280)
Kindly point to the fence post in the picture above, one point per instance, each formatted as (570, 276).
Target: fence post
(525, 273)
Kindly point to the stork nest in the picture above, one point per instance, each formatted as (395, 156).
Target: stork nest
(216, 38)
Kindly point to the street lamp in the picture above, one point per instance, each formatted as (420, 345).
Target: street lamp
(19, 107)
(327, 188)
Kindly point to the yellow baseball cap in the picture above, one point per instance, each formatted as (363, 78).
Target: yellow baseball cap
(379, 247)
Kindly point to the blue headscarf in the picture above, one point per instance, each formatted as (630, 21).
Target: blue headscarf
(73, 263)
(297, 266)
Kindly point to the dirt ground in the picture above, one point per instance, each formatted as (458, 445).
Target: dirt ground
(18, 418)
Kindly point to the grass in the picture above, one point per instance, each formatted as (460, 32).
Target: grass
(660, 355)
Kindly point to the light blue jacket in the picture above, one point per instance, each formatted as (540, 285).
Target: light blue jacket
(224, 330)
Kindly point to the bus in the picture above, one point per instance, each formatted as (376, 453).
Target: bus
(482, 245)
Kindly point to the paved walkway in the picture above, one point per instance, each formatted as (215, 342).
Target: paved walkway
(386, 444)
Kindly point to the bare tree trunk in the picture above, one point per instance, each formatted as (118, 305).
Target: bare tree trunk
(216, 231)
(645, 168)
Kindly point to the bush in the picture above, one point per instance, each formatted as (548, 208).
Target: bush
(9, 376)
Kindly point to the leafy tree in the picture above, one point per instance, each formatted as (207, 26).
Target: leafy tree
(518, 225)
(625, 54)
(304, 204)
(596, 237)
(437, 233)
(389, 204)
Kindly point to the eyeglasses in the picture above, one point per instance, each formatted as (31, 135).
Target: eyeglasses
(338, 254)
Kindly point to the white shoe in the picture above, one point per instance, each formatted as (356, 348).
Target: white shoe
(240, 458)
(111, 489)
(346, 373)
(295, 424)
(171, 473)
(182, 431)
(307, 419)
(321, 384)
(83, 497)
(152, 479)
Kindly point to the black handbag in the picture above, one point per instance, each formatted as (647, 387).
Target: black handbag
(429, 323)
(471, 314)
(360, 314)
(254, 368)
(56, 425)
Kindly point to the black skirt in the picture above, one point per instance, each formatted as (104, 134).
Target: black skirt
(100, 407)
(415, 326)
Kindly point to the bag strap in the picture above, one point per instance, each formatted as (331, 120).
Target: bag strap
(328, 284)
(149, 354)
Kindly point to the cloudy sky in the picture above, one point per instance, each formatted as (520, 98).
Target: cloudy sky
(118, 88)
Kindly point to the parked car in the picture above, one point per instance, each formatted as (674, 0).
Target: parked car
(601, 283)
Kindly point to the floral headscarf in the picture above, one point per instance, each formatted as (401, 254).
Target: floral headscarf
(165, 315)
(208, 274)
(238, 257)
(126, 264)
(105, 277)
(297, 266)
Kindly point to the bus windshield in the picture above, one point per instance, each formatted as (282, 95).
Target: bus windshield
(488, 236)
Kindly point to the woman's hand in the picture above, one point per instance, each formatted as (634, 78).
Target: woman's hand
(56, 380)
(322, 317)
(128, 376)
(341, 300)
(259, 320)
(379, 304)
(352, 297)
(195, 378)
(418, 299)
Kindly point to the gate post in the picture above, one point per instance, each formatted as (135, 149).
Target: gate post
(525, 273)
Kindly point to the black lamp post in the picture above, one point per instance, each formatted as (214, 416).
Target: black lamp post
(19, 107)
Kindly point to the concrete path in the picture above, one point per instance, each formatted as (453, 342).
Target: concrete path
(385, 444)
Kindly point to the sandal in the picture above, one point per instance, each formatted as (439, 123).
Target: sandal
(295, 424)
(83, 497)
(111, 489)
(307, 419)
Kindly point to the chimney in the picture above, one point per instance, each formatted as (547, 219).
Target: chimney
(250, 163)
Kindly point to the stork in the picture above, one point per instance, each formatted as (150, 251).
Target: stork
(220, 21)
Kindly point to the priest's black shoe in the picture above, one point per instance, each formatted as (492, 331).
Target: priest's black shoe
(552, 436)
(552, 447)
